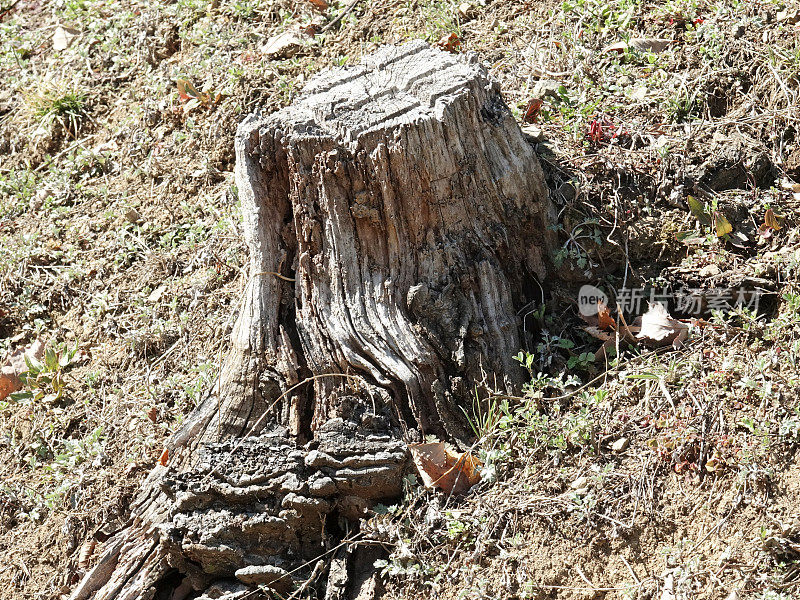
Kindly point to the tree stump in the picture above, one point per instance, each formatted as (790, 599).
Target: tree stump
(397, 222)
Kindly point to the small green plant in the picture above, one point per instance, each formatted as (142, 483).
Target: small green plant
(56, 103)
(582, 361)
(684, 107)
(44, 378)
(488, 416)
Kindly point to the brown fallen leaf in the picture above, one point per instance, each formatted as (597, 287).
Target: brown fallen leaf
(452, 472)
(640, 45)
(15, 365)
(449, 42)
(86, 553)
(532, 110)
(604, 318)
(164, 458)
(320, 5)
(772, 220)
(9, 382)
(658, 328)
(622, 332)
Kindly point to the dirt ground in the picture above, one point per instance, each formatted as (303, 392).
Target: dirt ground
(669, 135)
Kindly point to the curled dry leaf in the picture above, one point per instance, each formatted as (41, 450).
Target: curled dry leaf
(9, 382)
(772, 223)
(440, 467)
(640, 45)
(772, 220)
(164, 458)
(658, 328)
(284, 45)
(10, 371)
(532, 110)
(604, 318)
(86, 553)
(449, 42)
(606, 329)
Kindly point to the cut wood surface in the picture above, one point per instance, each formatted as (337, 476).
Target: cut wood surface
(397, 223)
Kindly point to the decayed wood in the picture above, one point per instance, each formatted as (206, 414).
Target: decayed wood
(397, 223)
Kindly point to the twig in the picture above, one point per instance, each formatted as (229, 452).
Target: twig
(278, 275)
(5, 11)
(314, 574)
(630, 570)
(341, 16)
(69, 148)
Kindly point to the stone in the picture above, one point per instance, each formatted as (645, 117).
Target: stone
(620, 445)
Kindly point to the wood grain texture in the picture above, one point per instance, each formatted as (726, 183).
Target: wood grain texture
(397, 222)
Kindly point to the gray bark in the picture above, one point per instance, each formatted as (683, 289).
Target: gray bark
(397, 222)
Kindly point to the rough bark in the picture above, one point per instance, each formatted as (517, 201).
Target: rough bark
(397, 224)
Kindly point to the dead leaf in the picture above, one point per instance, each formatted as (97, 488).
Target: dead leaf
(164, 458)
(9, 382)
(658, 328)
(152, 414)
(320, 5)
(15, 365)
(452, 472)
(532, 110)
(698, 210)
(283, 45)
(772, 220)
(624, 333)
(721, 225)
(449, 42)
(604, 318)
(640, 45)
(63, 37)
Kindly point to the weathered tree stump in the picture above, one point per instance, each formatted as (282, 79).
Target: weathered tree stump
(397, 223)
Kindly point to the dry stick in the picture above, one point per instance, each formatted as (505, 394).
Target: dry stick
(4, 11)
(308, 562)
(318, 568)
(590, 382)
(69, 148)
(278, 275)
(341, 16)
(630, 570)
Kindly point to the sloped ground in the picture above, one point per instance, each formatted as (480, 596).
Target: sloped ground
(671, 475)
